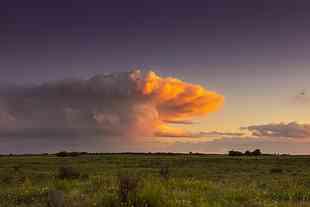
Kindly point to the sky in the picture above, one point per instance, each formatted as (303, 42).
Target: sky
(246, 61)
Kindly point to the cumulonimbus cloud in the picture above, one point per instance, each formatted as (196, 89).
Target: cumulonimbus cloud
(281, 130)
(130, 103)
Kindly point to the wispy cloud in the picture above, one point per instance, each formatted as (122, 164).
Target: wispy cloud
(204, 134)
(280, 130)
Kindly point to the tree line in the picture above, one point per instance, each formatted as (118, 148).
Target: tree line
(256, 152)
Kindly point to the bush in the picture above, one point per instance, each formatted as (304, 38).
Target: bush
(276, 170)
(16, 168)
(55, 198)
(6, 179)
(84, 176)
(128, 189)
(164, 172)
(68, 173)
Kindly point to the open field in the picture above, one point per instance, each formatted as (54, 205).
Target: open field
(156, 180)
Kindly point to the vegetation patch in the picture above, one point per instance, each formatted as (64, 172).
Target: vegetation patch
(155, 180)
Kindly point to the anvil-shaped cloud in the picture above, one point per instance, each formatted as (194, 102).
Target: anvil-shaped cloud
(130, 104)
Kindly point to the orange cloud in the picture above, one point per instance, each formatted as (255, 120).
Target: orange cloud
(176, 100)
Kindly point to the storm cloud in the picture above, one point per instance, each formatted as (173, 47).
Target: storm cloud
(120, 104)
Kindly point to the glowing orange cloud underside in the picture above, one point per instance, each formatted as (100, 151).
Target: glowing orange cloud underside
(177, 100)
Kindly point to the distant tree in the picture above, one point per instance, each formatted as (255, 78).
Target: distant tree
(74, 154)
(62, 154)
(70, 154)
(235, 153)
(248, 153)
(257, 152)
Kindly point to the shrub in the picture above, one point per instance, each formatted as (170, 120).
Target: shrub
(276, 170)
(66, 172)
(16, 168)
(6, 179)
(84, 176)
(55, 198)
(164, 172)
(128, 188)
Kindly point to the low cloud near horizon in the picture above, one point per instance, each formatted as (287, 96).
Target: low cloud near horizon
(291, 138)
(291, 130)
(223, 145)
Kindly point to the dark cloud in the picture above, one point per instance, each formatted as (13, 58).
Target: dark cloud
(281, 130)
(125, 104)
(70, 107)
(53, 144)
(53, 132)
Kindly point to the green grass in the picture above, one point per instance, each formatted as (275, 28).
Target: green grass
(193, 180)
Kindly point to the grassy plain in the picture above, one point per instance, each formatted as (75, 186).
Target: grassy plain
(158, 180)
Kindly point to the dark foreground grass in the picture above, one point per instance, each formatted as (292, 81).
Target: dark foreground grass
(156, 180)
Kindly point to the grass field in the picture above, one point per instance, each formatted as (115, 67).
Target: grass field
(146, 180)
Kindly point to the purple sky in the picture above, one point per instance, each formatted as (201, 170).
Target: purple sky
(255, 53)
(57, 39)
